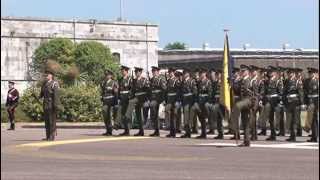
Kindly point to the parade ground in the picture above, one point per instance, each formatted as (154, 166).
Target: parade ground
(85, 154)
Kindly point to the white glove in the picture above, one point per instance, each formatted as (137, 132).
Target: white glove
(260, 103)
(303, 107)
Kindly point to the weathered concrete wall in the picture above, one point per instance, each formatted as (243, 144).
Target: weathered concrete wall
(263, 58)
(135, 42)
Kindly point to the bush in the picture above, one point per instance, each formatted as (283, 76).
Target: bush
(80, 103)
(30, 105)
(20, 115)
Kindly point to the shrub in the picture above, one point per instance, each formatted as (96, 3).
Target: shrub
(80, 103)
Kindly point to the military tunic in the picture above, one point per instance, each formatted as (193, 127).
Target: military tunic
(49, 93)
(243, 106)
(109, 89)
(124, 93)
(157, 96)
(272, 97)
(173, 85)
(140, 92)
(293, 94)
(205, 94)
(312, 95)
(189, 89)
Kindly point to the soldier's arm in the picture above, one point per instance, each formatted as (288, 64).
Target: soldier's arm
(300, 91)
(210, 92)
(56, 97)
(163, 83)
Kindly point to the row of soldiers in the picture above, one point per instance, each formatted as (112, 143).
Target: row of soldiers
(255, 91)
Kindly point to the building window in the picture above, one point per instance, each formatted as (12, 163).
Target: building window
(116, 57)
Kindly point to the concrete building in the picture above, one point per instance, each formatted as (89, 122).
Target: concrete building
(208, 58)
(135, 44)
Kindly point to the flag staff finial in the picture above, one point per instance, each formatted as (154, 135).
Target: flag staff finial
(226, 30)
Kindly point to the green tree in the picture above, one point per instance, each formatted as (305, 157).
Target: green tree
(175, 45)
(93, 58)
(60, 50)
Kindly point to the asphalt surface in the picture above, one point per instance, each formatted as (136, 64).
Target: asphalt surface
(25, 156)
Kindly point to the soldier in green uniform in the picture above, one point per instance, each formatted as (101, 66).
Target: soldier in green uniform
(205, 94)
(173, 84)
(217, 108)
(236, 87)
(109, 90)
(257, 88)
(211, 119)
(300, 78)
(189, 89)
(312, 95)
(280, 108)
(178, 105)
(263, 118)
(50, 95)
(158, 87)
(293, 94)
(273, 92)
(125, 92)
(140, 88)
(243, 105)
(195, 109)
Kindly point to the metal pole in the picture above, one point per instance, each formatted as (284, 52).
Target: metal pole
(147, 47)
(294, 59)
(120, 10)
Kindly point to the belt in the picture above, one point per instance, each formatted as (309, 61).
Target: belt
(236, 96)
(156, 91)
(108, 97)
(313, 96)
(124, 92)
(292, 95)
(187, 94)
(140, 93)
(172, 94)
(217, 96)
(203, 95)
(273, 95)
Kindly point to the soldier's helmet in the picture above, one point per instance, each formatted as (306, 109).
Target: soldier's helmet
(178, 72)
(312, 70)
(244, 67)
(108, 72)
(48, 71)
(11, 82)
(155, 68)
(123, 67)
(138, 69)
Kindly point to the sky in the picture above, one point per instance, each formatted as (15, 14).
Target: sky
(260, 23)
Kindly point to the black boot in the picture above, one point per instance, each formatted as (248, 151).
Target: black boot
(211, 131)
(235, 136)
(125, 133)
(194, 131)
(220, 136)
(262, 132)
(313, 139)
(299, 132)
(245, 144)
(291, 139)
(271, 138)
(140, 133)
(156, 133)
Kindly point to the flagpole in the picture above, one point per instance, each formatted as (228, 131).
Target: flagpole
(228, 113)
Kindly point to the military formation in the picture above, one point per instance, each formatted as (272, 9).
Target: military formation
(260, 96)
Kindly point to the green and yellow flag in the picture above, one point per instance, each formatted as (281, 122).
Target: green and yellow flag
(227, 66)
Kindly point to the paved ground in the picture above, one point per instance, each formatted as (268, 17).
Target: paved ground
(84, 154)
